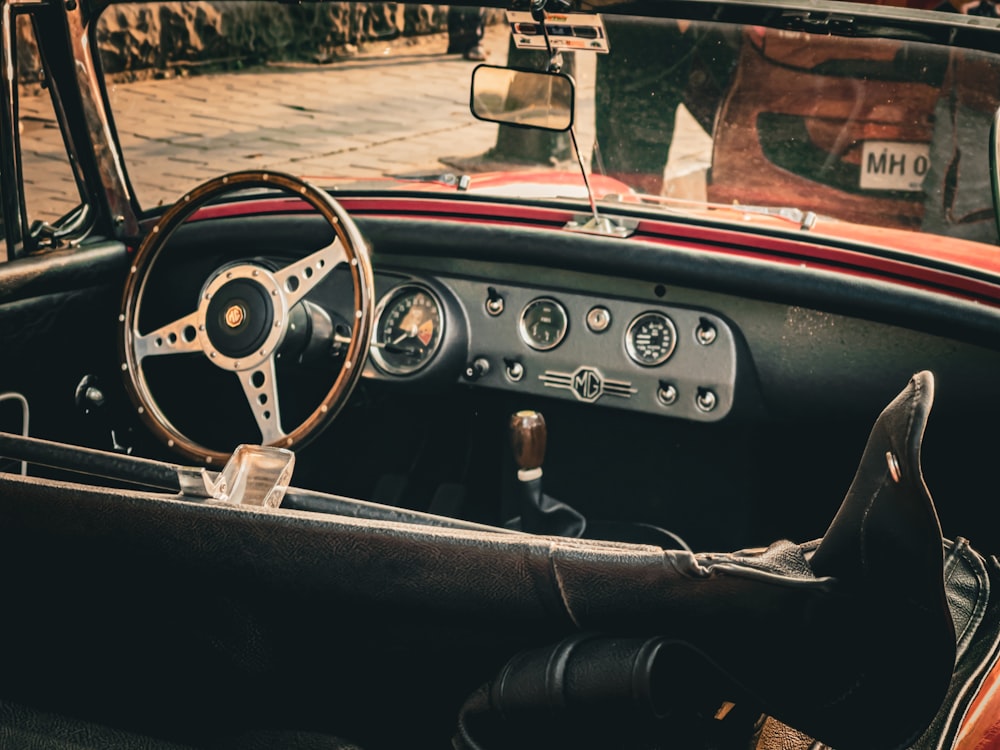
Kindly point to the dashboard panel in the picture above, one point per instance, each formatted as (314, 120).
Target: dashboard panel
(629, 354)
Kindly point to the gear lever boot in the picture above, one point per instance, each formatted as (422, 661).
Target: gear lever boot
(540, 514)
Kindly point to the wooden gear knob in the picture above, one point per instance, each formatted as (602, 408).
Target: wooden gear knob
(527, 438)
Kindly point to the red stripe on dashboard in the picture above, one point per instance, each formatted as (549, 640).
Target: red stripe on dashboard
(790, 252)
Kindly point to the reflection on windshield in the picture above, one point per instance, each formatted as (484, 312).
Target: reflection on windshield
(884, 133)
(876, 130)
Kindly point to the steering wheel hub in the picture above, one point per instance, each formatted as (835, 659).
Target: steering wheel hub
(244, 313)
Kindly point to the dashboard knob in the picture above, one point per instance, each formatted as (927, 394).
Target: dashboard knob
(478, 368)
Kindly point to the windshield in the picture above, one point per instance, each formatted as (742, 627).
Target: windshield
(676, 115)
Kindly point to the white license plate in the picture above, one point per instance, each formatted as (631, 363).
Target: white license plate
(894, 165)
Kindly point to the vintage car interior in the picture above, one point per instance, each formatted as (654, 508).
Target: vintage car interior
(290, 464)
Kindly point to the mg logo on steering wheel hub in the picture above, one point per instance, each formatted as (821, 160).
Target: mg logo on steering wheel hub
(235, 315)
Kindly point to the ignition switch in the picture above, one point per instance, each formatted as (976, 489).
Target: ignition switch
(598, 319)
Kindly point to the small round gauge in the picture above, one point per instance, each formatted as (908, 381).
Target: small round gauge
(543, 323)
(650, 339)
(408, 331)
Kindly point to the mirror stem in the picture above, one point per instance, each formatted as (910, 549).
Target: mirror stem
(583, 171)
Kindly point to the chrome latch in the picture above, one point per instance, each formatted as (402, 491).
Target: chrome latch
(255, 475)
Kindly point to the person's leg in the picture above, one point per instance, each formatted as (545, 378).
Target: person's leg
(466, 27)
(639, 86)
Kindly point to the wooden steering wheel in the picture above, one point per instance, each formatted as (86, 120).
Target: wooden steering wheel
(241, 319)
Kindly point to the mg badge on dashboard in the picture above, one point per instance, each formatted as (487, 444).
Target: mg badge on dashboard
(587, 384)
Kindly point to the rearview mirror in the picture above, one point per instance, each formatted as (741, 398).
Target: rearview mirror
(523, 98)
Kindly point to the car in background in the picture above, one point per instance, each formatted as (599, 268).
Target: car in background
(869, 132)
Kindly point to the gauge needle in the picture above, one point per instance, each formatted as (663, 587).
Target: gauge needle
(400, 349)
(400, 337)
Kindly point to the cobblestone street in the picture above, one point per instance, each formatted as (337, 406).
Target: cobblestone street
(315, 121)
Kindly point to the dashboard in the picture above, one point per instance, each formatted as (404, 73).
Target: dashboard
(623, 346)
(628, 327)
(617, 352)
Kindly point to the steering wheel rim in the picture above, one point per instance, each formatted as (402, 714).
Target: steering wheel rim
(239, 323)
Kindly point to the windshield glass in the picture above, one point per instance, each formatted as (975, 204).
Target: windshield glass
(878, 133)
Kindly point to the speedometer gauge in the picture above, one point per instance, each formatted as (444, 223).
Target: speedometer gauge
(408, 331)
(650, 339)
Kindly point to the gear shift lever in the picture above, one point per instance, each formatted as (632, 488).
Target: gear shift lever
(527, 438)
(540, 514)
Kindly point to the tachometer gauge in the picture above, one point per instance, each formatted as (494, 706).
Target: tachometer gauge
(543, 324)
(408, 331)
(650, 339)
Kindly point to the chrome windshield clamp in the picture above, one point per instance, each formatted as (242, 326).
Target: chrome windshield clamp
(602, 226)
(255, 475)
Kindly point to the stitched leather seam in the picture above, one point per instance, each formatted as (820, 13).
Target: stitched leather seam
(560, 586)
(961, 549)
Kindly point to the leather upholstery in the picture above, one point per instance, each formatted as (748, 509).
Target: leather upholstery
(975, 610)
(26, 728)
(188, 620)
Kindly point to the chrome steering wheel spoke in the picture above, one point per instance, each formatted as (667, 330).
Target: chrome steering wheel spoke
(259, 385)
(297, 279)
(177, 337)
